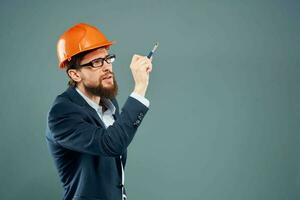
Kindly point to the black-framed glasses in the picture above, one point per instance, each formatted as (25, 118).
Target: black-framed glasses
(98, 62)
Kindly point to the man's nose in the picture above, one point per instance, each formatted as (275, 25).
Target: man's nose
(107, 67)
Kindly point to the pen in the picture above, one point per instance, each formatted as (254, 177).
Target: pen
(153, 50)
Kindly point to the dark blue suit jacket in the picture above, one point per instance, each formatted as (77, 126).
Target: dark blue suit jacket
(86, 154)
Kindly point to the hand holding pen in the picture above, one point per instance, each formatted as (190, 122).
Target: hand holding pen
(141, 66)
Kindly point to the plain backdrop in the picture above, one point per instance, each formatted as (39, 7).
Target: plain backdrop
(224, 95)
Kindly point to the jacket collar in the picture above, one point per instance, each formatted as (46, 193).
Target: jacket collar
(75, 97)
(79, 100)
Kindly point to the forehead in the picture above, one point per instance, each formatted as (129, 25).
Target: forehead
(97, 53)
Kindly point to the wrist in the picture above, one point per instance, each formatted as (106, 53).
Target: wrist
(140, 90)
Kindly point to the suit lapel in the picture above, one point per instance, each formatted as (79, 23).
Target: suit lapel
(96, 116)
(116, 115)
(79, 100)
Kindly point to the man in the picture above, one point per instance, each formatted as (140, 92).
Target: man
(86, 134)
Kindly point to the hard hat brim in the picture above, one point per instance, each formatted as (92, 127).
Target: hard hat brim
(107, 44)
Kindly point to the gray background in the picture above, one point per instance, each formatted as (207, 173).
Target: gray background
(224, 92)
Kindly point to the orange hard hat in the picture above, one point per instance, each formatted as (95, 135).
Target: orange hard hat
(77, 39)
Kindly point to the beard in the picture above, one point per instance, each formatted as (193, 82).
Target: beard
(101, 91)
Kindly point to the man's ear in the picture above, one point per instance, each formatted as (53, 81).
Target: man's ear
(73, 74)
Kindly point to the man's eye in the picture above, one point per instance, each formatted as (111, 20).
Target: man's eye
(97, 62)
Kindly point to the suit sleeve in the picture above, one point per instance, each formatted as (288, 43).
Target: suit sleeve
(70, 127)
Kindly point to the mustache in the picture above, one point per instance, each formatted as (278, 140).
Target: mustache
(107, 75)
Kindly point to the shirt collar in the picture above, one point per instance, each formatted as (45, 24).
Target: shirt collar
(110, 106)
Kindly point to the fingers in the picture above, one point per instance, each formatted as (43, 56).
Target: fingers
(136, 57)
(141, 58)
(142, 62)
(149, 69)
